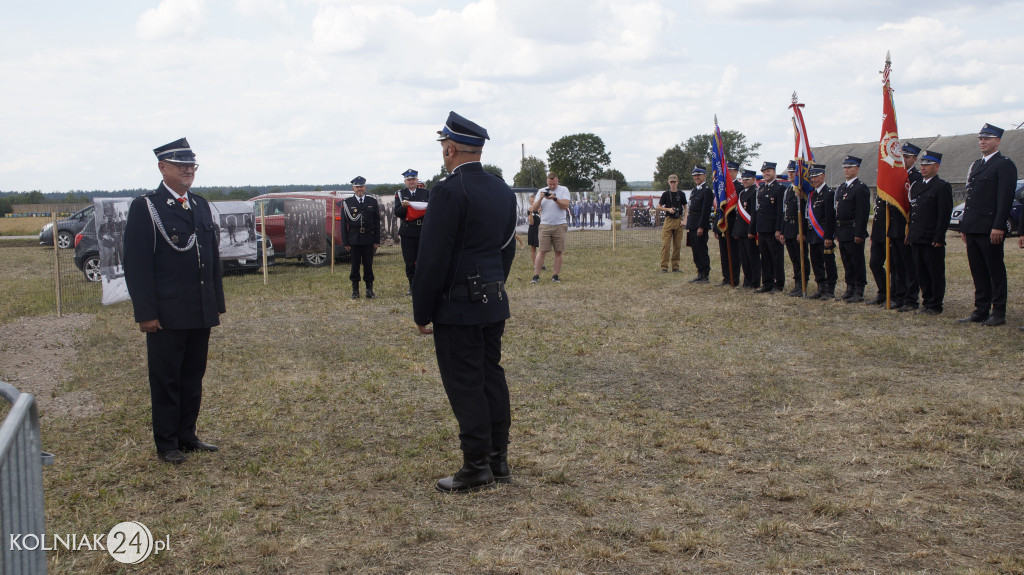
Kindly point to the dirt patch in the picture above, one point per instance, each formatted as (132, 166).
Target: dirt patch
(35, 353)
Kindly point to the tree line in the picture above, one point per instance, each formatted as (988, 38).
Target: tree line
(578, 159)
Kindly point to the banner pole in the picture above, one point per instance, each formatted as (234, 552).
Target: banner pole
(800, 241)
(56, 263)
(888, 282)
(332, 235)
(263, 237)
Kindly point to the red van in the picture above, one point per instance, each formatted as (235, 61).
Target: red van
(273, 208)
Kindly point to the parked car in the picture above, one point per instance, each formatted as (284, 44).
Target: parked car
(67, 228)
(87, 255)
(1012, 224)
(273, 208)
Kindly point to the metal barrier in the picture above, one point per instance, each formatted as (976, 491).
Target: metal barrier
(21, 484)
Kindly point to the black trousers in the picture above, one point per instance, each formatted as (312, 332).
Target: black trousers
(772, 272)
(823, 264)
(988, 272)
(909, 279)
(930, 263)
(177, 363)
(876, 264)
(469, 359)
(410, 249)
(699, 246)
(852, 255)
(750, 260)
(728, 247)
(362, 255)
(793, 248)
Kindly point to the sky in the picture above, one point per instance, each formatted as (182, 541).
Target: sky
(320, 91)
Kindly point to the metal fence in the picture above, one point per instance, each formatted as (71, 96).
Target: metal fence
(21, 485)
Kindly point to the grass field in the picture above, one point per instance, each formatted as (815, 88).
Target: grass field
(22, 226)
(659, 427)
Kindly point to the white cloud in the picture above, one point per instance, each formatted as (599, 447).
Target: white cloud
(273, 9)
(172, 18)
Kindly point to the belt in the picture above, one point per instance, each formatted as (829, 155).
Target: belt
(845, 222)
(790, 221)
(419, 222)
(461, 292)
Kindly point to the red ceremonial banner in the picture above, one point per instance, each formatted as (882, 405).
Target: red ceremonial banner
(892, 173)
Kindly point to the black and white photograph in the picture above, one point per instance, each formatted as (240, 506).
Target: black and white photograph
(304, 227)
(237, 229)
(111, 215)
(589, 211)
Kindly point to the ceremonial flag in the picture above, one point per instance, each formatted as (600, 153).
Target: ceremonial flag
(892, 173)
(725, 192)
(415, 210)
(804, 157)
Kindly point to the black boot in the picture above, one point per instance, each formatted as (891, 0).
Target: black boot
(857, 297)
(704, 277)
(818, 294)
(474, 476)
(499, 465)
(998, 317)
(355, 290)
(369, 291)
(830, 292)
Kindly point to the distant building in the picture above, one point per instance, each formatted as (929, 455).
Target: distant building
(958, 153)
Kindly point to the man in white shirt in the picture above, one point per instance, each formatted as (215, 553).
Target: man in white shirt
(552, 202)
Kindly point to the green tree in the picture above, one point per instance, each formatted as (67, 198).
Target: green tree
(578, 159)
(532, 173)
(620, 180)
(680, 159)
(437, 178)
(491, 168)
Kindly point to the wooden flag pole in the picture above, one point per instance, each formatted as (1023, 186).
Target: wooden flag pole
(800, 240)
(888, 282)
(263, 237)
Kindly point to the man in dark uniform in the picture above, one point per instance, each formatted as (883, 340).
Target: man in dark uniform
(728, 245)
(889, 231)
(852, 201)
(911, 288)
(465, 256)
(673, 203)
(821, 231)
(990, 187)
(794, 231)
(766, 222)
(697, 222)
(360, 235)
(748, 255)
(931, 204)
(173, 273)
(410, 228)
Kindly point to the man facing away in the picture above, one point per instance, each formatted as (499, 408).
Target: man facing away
(466, 251)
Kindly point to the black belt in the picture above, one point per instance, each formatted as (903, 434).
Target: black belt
(461, 292)
(845, 222)
(419, 222)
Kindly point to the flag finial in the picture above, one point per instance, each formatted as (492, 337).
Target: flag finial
(794, 97)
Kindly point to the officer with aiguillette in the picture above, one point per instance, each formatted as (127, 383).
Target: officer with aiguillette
(361, 234)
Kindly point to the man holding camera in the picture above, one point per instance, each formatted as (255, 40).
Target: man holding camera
(552, 203)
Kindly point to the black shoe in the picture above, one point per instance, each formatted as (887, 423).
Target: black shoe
(906, 307)
(555, 279)
(995, 319)
(664, 271)
(857, 297)
(765, 289)
(174, 456)
(725, 282)
(846, 295)
(499, 465)
(703, 278)
(697, 279)
(199, 445)
(929, 311)
(975, 317)
(355, 294)
(879, 300)
(475, 475)
(535, 279)
(797, 292)
(675, 271)
(369, 293)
